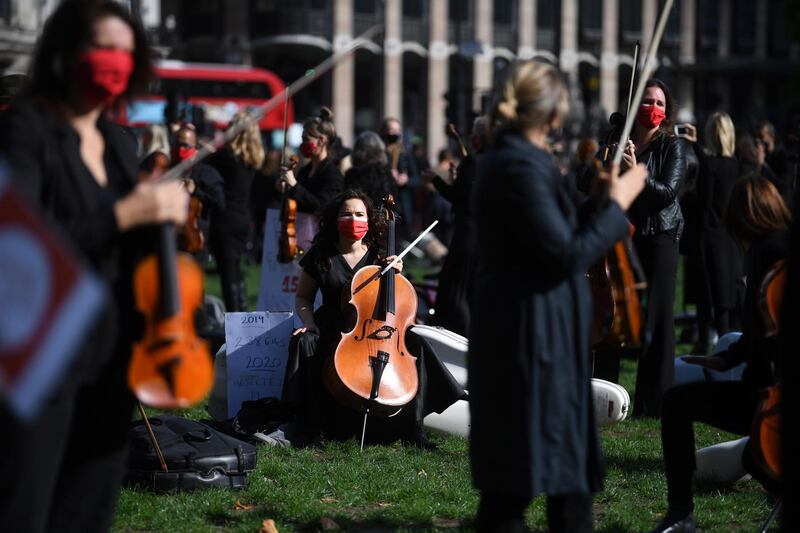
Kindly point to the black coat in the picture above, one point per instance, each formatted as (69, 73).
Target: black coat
(314, 192)
(656, 210)
(533, 427)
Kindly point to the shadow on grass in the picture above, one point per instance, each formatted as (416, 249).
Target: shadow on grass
(378, 525)
(634, 465)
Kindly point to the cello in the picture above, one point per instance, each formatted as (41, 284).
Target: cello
(372, 370)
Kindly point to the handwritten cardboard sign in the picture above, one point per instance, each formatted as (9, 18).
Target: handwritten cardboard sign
(257, 349)
(279, 280)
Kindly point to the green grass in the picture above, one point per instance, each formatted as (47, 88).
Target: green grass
(397, 488)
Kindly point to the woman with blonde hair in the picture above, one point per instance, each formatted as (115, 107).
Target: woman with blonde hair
(720, 256)
(529, 362)
(230, 227)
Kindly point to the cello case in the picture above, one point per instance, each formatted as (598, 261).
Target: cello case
(611, 401)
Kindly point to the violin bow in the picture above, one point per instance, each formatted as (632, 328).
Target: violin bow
(633, 76)
(647, 70)
(153, 437)
(259, 112)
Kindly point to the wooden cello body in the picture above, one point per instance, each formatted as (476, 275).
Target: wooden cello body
(372, 369)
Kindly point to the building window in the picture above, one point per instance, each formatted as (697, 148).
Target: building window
(364, 6)
(413, 8)
(504, 11)
(708, 25)
(778, 30)
(548, 17)
(5, 10)
(744, 27)
(201, 18)
(458, 10)
(591, 15)
(630, 19)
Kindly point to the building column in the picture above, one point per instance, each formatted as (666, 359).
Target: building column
(609, 92)
(483, 63)
(343, 72)
(526, 29)
(649, 19)
(438, 79)
(393, 61)
(568, 59)
(687, 59)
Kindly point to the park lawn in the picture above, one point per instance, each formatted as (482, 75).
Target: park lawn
(400, 488)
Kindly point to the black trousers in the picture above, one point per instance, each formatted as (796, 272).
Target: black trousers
(727, 405)
(228, 249)
(62, 472)
(656, 373)
(505, 513)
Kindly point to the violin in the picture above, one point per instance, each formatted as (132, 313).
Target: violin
(766, 434)
(192, 237)
(171, 366)
(287, 242)
(372, 369)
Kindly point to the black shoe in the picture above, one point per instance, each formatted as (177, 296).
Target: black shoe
(670, 525)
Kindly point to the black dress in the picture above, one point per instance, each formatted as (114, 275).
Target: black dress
(532, 420)
(63, 471)
(458, 270)
(316, 409)
(314, 192)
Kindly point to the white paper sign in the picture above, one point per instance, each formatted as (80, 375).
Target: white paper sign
(279, 280)
(257, 349)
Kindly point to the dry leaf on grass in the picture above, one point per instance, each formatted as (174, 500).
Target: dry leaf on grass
(384, 504)
(422, 473)
(268, 526)
(328, 499)
(239, 506)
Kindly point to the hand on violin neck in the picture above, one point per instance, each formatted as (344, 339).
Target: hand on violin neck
(624, 188)
(152, 203)
(288, 177)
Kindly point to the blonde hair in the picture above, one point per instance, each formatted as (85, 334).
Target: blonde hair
(247, 145)
(720, 134)
(531, 96)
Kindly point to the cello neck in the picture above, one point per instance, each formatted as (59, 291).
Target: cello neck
(388, 285)
(168, 303)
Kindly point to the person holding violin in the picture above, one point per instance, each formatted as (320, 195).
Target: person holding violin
(529, 364)
(230, 226)
(63, 470)
(319, 181)
(657, 217)
(202, 181)
(350, 236)
(759, 220)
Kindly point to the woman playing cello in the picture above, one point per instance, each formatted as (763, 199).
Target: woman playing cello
(529, 362)
(62, 471)
(350, 237)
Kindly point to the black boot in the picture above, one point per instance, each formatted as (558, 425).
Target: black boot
(676, 522)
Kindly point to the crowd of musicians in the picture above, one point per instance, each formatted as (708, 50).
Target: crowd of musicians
(519, 228)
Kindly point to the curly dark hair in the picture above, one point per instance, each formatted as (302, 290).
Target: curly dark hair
(328, 228)
(68, 30)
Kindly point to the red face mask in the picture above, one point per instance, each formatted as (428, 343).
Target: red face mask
(102, 75)
(354, 228)
(308, 148)
(650, 116)
(181, 153)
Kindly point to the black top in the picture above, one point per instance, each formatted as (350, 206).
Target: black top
(753, 347)
(656, 209)
(326, 265)
(43, 153)
(314, 192)
(237, 182)
(210, 188)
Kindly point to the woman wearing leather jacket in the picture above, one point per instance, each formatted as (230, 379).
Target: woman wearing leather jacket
(659, 224)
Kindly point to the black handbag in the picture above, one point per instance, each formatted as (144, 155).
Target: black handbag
(196, 456)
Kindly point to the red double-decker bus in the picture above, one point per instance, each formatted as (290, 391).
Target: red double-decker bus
(220, 90)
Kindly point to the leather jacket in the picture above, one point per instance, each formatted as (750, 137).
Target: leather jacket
(656, 210)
